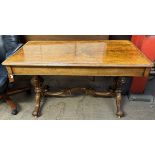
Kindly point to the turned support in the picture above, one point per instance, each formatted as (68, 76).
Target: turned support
(37, 82)
(120, 81)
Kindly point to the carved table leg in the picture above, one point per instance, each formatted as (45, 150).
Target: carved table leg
(37, 82)
(120, 81)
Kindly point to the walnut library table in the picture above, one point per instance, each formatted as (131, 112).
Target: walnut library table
(117, 58)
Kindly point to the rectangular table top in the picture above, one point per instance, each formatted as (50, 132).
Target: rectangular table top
(101, 53)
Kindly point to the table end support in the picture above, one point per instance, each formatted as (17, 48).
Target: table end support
(37, 82)
(120, 81)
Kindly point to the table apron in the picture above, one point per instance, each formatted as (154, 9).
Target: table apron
(79, 71)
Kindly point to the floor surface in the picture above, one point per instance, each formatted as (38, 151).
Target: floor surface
(77, 108)
(80, 108)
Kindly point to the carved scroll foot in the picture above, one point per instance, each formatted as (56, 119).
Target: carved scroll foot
(37, 82)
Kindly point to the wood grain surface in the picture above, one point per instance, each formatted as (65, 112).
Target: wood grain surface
(101, 53)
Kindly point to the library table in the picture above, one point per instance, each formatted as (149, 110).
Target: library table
(117, 58)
